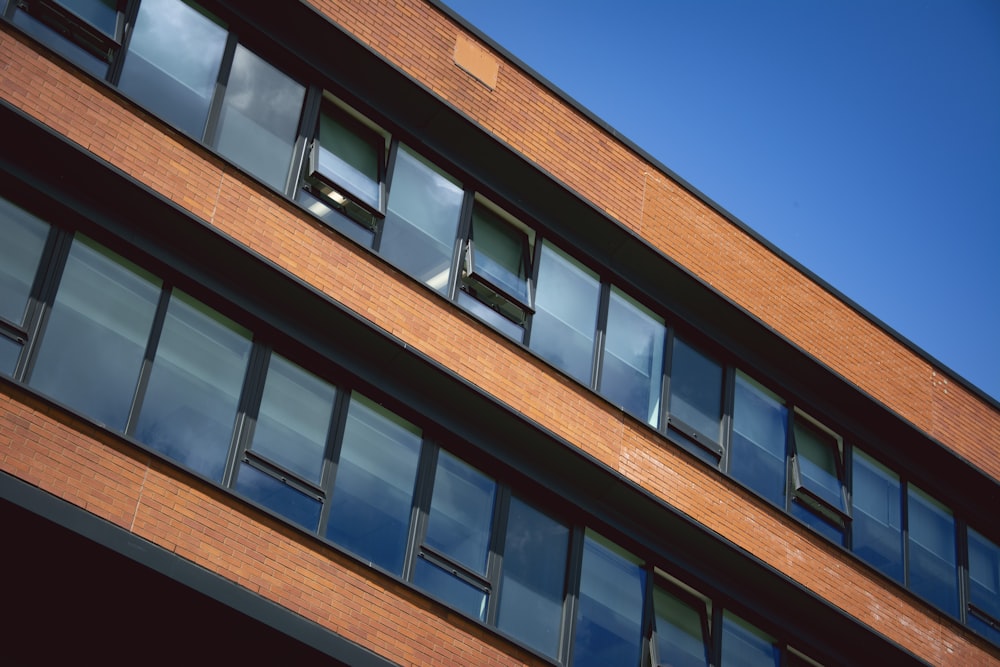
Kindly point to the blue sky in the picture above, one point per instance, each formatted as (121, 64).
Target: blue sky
(861, 137)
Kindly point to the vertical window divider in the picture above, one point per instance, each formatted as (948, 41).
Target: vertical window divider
(536, 260)
(849, 493)
(904, 508)
(728, 400)
(334, 445)
(462, 244)
(600, 335)
(421, 507)
(208, 135)
(494, 567)
(56, 252)
(147, 360)
(127, 17)
(663, 419)
(962, 566)
(572, 598)
(246, 410)
(305, 137)
(715, 635)
(390, 169)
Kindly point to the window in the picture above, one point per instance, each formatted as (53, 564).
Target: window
(876, 515)
(984, 586)
(609, 614)
(817, 478)
(743, 645)
(173, 62)
(696, 399)
(760, 426)
(452, 565)
(86, 32)
(632, 366)
(931, 551)
(680, 630)
(21, 252)
(533, 585)
(421, 224)
(372, 495)
(346, 166)
(496, 270)
(189, 406)
(562, 329)
(97, 333)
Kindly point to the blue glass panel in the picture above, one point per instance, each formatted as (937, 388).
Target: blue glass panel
(500, 252)
(696, 389)
(680, 633)
(813, 519)
(58, 42)
(632, 369)
(931, 529)
(336, 219)
(562, 328)
(876, 526)
(373, 490)
(461, 514)
(10, 350)
(817, 458)
(294, 418)
(102, 14)
(289, 502)
(260, 118)
(492, 317)
(609, 614)
(450, 589)
(173, 62)
(421, 224)
(23, 242)
(760, 424)
(190, 404)
(743, 645)
(534, 575)
(984, 581)
(93, 345)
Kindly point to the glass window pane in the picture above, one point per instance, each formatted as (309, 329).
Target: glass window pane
(609, 615)
(260, 118)
(23, 242)
(931, 529)
(57, 41)
(500, 253)
(173, 62)
(298, 507)
(190, 403)
(492, 317)
(632, 369)
(10, 350)
(696, 390)
(450, 589)
(93, 345)
(680, 632)
(984, 583)
(760, 423)
(422, 220)
(743, 645)
(336, 218)
(102, 14)
(876, 525)
(814, 519)
(294, 418)
(461, 514)
(534, 575)
(562, 328)
(818, 461)
(373, 491)
(350, 155)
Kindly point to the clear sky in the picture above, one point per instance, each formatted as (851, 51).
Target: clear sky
(861, 137)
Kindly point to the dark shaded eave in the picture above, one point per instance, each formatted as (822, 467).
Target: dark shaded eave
(317, 42)
(44, 167)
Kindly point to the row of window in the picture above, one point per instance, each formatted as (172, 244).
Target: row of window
(130, 350)
(363, 181)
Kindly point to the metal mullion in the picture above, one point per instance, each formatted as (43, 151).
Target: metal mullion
(536, 260)
(962, 568)
(600, 334)
(247, 407)
(571, 599)
(462, 244)
(390, 170)
(153, 342)
(728, 406)
(420, 508)
(43, 296)
(498, 539)
(648, 623)
(126, 19)
(208, 136)
(305, 135)
(334, 445)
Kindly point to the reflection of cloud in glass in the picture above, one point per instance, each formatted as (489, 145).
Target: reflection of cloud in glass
(184, 42)
(262, 93)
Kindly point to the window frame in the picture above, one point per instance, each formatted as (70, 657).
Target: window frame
(77, 30)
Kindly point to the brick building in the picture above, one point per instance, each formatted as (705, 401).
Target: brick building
(335, 333)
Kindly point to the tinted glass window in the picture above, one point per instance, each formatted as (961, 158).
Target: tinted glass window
(696, 390)
(69, 41)
(102, 14)
(534, 575)
(92, 349)
(260, 118)
(294, 419)
(566, 300)
(373, 489)
(23, 242)
(877, 533)
(931, 529)
(680, 632)
(632, 368)
(173, 62)
(422, 220)
(10, 350)
(500, 253)
(190, 403)
(294, 504)
(984, 585)
(743, 645)
(461, 513)
(350, 155)
(459, 593)
(609, 615)
(818, 462)
(760, 423)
